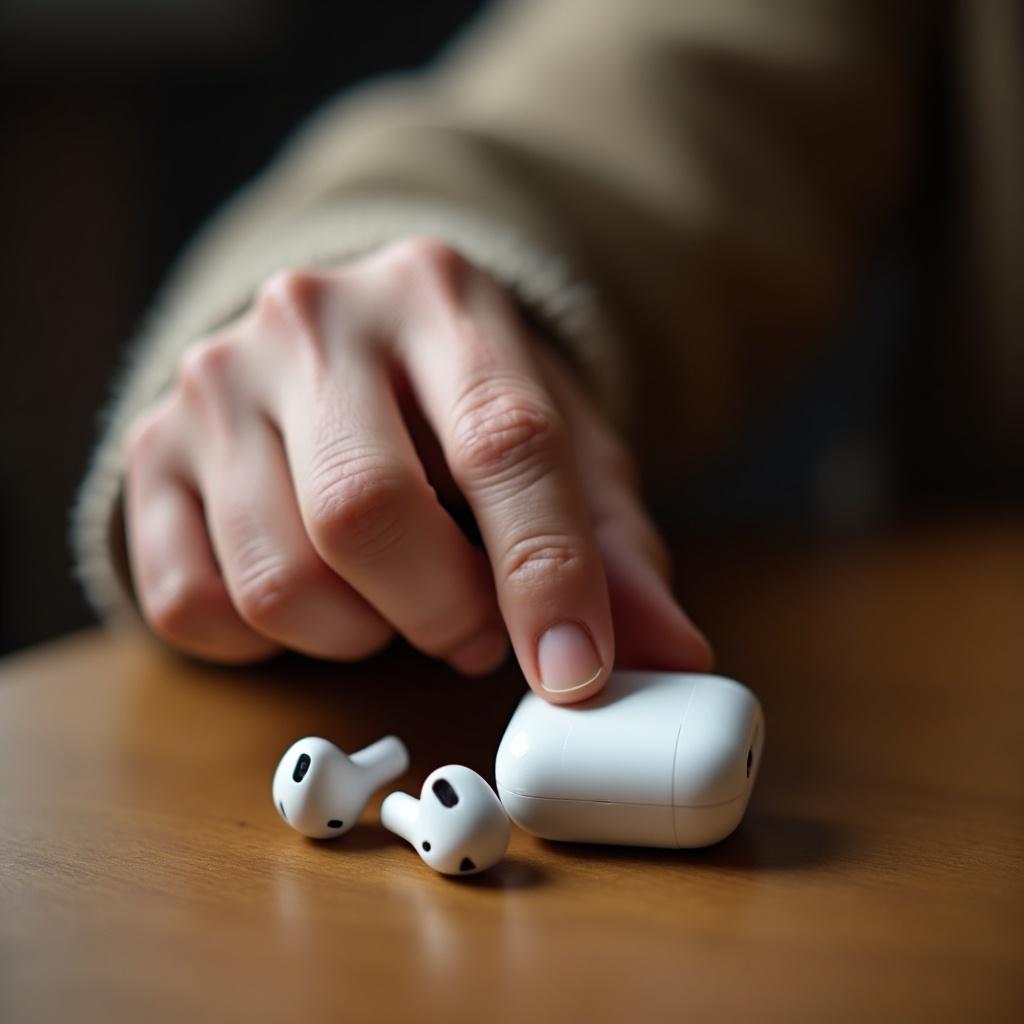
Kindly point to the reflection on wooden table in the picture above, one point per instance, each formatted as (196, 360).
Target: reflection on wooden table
(145, 875)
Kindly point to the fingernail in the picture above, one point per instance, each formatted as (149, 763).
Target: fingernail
(567, 658)
(481, 654)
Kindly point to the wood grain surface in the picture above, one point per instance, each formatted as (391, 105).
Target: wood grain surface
(144, 874)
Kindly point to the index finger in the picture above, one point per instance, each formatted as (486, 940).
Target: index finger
(508, 450)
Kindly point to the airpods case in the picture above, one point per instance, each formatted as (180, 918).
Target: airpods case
(655, 759)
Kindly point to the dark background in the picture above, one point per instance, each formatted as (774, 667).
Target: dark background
(124, 124)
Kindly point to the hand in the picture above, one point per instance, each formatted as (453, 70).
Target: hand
(288, 490)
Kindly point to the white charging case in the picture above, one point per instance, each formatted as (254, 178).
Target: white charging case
(655, 759)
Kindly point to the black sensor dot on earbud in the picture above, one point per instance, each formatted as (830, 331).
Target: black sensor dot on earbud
(467, 865)
(445, 792)
(334, 823)
(426, 846)
(301, 767)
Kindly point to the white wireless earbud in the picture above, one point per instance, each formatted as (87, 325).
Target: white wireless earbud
(457, 826)
(320, 790)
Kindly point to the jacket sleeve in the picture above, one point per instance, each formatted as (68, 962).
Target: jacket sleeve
(681, 191)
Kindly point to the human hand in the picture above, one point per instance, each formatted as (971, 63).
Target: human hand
(287, 491)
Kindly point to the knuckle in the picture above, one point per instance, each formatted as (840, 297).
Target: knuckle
(542, 560)
(145, 435)
(421, 261)
(500, 429)
(266, 592)
(356, 506)
(292, 297)
(206, 368)
(174, 606)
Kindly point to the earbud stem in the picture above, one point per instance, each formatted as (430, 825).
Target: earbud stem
(383, 761)
(398, 814)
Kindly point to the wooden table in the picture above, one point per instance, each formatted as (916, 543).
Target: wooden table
(144, 874)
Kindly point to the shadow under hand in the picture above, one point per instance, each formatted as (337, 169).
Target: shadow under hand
(441, 716)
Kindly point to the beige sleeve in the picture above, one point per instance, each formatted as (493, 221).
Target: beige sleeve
(682, 192)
